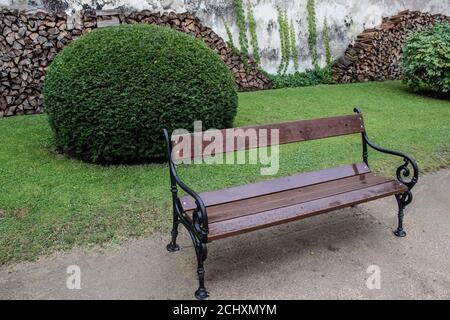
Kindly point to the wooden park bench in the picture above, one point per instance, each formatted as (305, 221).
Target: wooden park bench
(228, 212)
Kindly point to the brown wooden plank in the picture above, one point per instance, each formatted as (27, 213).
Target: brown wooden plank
(275, 185)
(289, 132)
(269, 218)
(291, 197)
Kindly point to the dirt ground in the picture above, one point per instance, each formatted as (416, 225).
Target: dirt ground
(324, 257)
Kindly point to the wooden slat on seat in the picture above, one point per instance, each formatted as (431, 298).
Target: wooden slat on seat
(247, 223)
(289, 132)
(291, 197)
(276, 185)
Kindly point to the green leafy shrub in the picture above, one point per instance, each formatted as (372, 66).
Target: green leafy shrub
(302, 79)
(109, 94)
(426, 60)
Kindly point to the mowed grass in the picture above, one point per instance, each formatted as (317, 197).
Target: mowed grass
(49, 202)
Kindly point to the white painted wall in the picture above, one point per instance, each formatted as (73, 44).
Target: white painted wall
(346, 18)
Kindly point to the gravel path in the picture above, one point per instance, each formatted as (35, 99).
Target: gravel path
(325, 257)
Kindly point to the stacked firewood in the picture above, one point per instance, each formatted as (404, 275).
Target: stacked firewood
(376, 53)
(27, 44)
(29, 40)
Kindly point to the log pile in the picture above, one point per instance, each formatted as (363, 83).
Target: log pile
(29, 40)
(376, 53)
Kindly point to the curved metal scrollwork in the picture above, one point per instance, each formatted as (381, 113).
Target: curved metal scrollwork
(199, 216)
(406, 198)
(197, 225)
(407, 174)
(200, 224)
(403, 174)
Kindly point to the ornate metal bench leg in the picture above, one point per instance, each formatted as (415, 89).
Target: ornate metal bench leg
(201, 292)
(173, 246)
(402, 201)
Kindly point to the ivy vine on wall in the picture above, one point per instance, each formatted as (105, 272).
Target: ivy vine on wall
(326, 41)
(294, 48)
(246, 23)
(288, 40)
(253, 35)
(312, 32)
(241, 24)
(229, 35)
(283, 27)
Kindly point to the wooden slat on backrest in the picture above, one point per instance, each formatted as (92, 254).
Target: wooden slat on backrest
(289, 132)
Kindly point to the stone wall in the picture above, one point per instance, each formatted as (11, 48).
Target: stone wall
(25, 59)
(29, 40)
(347, 18)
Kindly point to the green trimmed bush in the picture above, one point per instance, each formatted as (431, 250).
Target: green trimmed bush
(426, 60)
(109, 94)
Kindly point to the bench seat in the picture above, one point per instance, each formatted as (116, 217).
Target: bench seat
(259, 205)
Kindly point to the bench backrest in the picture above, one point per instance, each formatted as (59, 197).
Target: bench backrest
(288, 132)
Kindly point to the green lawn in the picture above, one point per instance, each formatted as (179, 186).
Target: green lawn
(49, 202)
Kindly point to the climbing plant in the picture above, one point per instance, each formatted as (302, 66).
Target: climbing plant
(312, 32)
(287, 41)
(229, 35)
(326, 41)
(294, 48)
(282, 44)
(283, 27)
(240, 22)
(253, 35)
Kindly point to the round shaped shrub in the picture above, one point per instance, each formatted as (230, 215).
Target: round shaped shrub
(109, 94)
(426, 60)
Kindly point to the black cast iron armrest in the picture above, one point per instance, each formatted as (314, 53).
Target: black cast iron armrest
(403, 172)
(199, 216)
